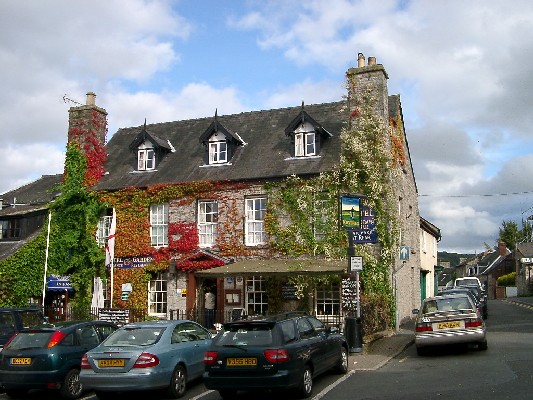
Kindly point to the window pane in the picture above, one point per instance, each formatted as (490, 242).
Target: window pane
(299, 145)
(150, 159)
(255, 215)
(310, 144)
(157, 295)
(207, 222)
(159, 224)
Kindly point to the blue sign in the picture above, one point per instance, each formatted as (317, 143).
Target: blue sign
(367, 233)
(132, 262)
(404, 253)
(58, 283)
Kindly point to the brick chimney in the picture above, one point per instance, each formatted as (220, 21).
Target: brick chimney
(502, 248)
(87, 126)
(86, 120)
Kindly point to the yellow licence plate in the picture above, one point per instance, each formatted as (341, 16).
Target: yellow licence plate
(21, 361)
(115, 362)
(449, 325)
(241, 362)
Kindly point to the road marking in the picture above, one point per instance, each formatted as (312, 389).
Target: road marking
(202, 395)
(328, 388)
(403, 359)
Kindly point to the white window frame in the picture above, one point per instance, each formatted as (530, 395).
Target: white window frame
(159, 225)
(157, 295)
(207, 222)
(328, 300)
(102, 232)
(256, 295)
(218, 149)
(145, 159)
(255, 210)
(304, 144)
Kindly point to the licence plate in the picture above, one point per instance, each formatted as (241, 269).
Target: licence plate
(449, 325)
(115, 362)
(241, 362)
(21, 361)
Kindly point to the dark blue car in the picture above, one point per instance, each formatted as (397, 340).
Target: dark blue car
(49, 357)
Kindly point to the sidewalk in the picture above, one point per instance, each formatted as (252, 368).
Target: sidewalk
(378, 352)
(521, 301)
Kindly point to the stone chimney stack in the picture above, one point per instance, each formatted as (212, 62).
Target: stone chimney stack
(87, 121)
(369, 80)
(502, 248)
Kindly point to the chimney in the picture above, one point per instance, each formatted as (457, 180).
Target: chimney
(86, 120)
(502, 248)
(369, 81)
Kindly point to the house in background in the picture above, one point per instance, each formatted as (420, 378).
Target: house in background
(523, 267)
(429, 239)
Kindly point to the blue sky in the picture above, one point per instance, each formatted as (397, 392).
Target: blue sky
(464, 72)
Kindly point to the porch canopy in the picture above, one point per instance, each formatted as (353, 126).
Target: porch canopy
(276, 267)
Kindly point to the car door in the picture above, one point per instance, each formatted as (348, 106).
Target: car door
(190, 340)
(312, 340)
(330, 345)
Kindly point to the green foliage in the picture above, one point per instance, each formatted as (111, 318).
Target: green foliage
(510, 234)
(507, 280)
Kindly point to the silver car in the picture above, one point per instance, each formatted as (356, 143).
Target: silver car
(144, 356)
(448, 319)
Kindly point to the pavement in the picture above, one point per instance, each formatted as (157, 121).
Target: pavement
(384, 346)
(381, 348)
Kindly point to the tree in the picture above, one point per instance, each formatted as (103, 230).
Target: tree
(510, 234)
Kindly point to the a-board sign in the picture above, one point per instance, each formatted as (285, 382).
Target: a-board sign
(115, 315)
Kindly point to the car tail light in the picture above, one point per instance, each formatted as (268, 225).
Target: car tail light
(424, 327)
(56, 338)
(146, 360)
(473, 323)
(210, 357)
(85, 362)
(276, 355)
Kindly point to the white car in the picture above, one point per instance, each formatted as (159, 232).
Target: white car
(469, 281)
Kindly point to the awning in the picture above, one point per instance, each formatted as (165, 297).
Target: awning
(58, 283)
(276, 267)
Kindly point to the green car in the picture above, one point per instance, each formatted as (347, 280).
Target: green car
(49, 357)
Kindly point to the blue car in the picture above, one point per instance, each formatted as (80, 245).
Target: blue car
(145, 356)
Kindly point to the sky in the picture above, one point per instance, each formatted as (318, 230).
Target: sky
(463, 70)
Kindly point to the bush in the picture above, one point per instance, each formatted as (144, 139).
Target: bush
(507, 280)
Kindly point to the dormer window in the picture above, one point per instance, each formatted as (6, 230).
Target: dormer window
(220, 143)
(304, 141)
(150, 150)
(145, 157)
(307, 136)
(218, 149)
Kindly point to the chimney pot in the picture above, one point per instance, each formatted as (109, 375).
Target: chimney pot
(360, 60)
(371, 61)
(91, 99)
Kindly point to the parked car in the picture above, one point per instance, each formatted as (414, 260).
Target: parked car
(147, 355)
(279, 352)
(13, 320)
(49, 356)
(448, 319)
(469, 281)
(477, 298)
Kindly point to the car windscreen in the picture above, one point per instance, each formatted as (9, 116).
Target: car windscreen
(136, 336)
(30, 340)
(245, 335)
(447, 304)
(466, 282)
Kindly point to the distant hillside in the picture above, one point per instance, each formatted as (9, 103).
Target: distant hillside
(452, 258)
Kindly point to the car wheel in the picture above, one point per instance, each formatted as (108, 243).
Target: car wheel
(482, 345)
(16, 393)
(71, 387)
(306, 383)
(178, 383)
(342, 365)
(227, 394)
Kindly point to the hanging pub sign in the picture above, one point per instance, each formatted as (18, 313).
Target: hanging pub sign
(58, 283)
(358, 218)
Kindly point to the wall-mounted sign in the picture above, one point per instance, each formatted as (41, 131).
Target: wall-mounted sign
(404, 253)
(526, 260)
(356, 263)
(350, 216)
(132, 262)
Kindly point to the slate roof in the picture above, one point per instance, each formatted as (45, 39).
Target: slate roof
(34, 196)
(265, 155)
